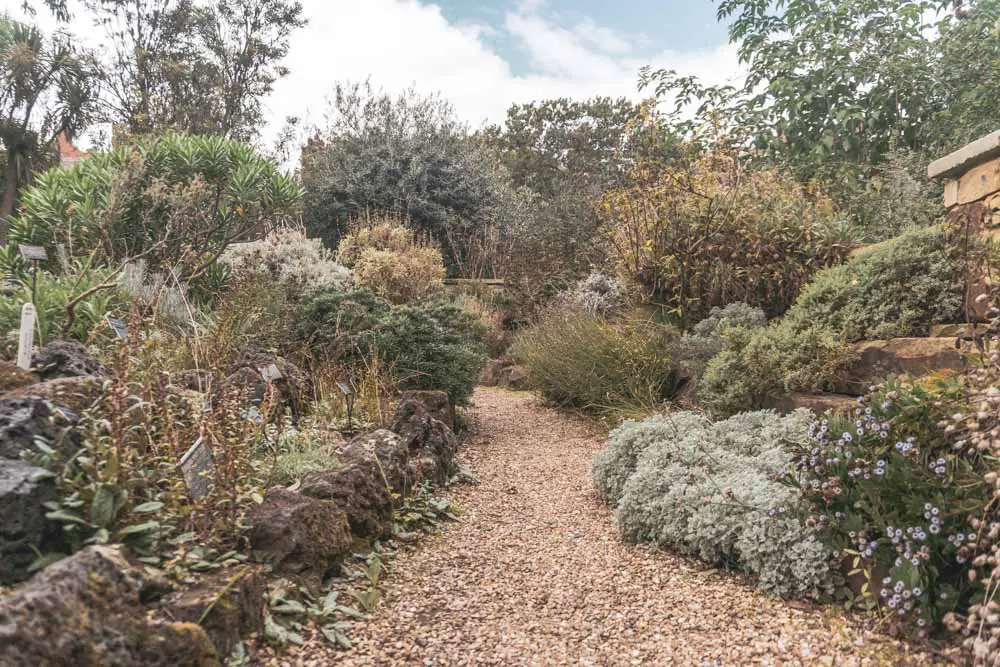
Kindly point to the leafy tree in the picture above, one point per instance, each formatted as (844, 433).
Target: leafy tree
(176, 202)
(554, 144)
(46, 87)
(409, 156)
(177, 65)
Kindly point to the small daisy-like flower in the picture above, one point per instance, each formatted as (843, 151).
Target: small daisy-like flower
(917, 592)
(899, 587)
(892, 603)
(915, 561)
(921, 622)
(884, 592)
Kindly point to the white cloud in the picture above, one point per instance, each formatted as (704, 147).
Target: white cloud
(402, 42)
(399, 43)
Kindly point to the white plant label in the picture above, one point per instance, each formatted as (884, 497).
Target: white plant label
(27, 337)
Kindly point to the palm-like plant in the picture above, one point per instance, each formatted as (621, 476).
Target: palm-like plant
(47, 87)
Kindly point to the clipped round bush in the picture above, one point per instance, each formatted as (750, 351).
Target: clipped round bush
(339, 326)
(712, 490)
(899, 288)
(757, 369)
(597, 294)
(614, 464)
(733, 316)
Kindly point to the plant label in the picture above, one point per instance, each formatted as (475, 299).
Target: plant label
(27, 336)
(345, 388)
(119, 327)
(195, 465)
(32, 253)
(270, 372)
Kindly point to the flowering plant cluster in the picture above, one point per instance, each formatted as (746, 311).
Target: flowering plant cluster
(895, 500)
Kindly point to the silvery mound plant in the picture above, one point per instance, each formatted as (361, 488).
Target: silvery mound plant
(597, 294)
(712, 490)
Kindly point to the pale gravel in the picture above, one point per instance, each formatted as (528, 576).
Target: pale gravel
(536, 574)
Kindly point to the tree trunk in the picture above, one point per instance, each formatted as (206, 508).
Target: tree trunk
(9, 195)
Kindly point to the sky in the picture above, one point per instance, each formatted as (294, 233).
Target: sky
(484, 55)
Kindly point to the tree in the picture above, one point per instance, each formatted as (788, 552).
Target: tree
(409, 156)
(46, 88)
(556, 144)
(177, 65)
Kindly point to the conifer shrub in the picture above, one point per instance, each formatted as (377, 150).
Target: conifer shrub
(433, 345)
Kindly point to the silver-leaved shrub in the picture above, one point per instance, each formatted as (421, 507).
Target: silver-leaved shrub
(712, 490)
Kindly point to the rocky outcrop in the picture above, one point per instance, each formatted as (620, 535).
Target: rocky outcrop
(437, 404)
(74, 393)
(430, 443)
(361, 492)
(90, 609)
(915, 357)
(21, 421)
(300, 536)
(821, 403)
(65, 358)
(24, 490)
(228, 604)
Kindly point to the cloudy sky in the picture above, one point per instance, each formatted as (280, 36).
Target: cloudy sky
(484, 55)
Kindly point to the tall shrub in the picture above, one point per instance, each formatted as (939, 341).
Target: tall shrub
(702, 232)
(174, 201)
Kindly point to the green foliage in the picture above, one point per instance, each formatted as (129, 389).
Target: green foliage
(895, 198)
(300, 452)
(55, 293)
(338, 325)
(900, 288)
(579, 361)
(411, 157)
(732, 316)
(893, 497)
(200, 69)
(711, 490)
(175, 201)
(428, 345)
(49, 87)
(757, 369)
(433, 345)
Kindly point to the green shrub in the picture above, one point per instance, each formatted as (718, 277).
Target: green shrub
(758, 368)
(711, 490)
(896, 500)
(733, 316)
(433, 345)
(580, 361)
(899, 288)
(175, 200)
(339, 326)
(54, 294)
(300, 453)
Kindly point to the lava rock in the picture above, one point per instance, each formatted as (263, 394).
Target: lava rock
(90, 609)
(429, 441)
(65, 358)
(300, 536)
(227, 604)
(24, 489)
(21, 421)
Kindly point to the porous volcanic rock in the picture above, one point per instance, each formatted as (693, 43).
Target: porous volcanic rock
(90, 609)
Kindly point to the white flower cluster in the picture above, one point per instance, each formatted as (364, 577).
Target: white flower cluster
(711, 490)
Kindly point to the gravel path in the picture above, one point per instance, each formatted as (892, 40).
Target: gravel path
(535, 574)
